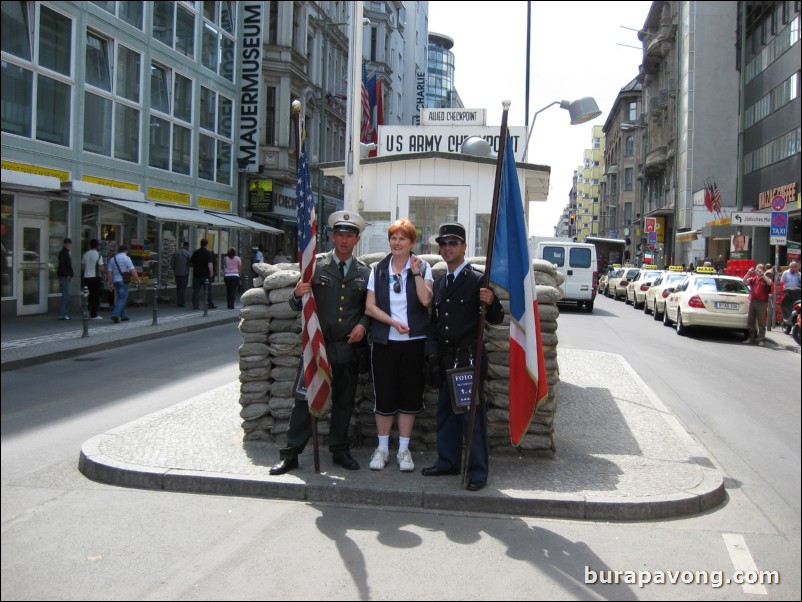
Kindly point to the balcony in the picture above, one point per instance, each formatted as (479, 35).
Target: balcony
(656, 160)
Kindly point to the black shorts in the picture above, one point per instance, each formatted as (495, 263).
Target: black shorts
(398, 377)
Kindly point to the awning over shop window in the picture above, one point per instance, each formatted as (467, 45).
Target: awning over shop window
(189, 215)
(245, 224)
(688, 236)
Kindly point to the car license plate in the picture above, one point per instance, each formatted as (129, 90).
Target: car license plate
(722, 305)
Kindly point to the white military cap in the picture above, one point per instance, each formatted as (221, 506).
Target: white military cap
(346, 221)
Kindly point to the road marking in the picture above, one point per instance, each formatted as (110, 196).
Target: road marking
(742, 561)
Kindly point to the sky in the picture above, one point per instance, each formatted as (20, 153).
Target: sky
(576, 51)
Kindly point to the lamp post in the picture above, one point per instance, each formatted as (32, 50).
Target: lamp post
(321, 139)
(580, 110)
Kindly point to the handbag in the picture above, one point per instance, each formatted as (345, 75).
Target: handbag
(126, 276)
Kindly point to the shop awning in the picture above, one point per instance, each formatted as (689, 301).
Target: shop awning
(186, 215)
(688, 236)
(245, 224)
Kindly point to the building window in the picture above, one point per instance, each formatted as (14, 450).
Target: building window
(48, 78)
(628, 177)
(214, 152)
(629, 146)
(270, 116)
(110, 123)
(170, 141)
(632, 111)
(217, 40)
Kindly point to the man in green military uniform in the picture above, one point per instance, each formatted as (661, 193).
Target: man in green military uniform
(340, 287)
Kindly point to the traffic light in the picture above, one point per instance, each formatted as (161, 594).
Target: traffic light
(572, 216)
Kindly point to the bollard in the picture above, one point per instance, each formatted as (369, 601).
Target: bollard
(85, 310)
(206, 297)
(155, 302)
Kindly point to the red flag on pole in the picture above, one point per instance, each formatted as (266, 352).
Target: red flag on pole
(317, 371)
(708, 198)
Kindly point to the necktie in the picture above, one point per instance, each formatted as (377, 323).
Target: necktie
(449, 281)
(342, 268)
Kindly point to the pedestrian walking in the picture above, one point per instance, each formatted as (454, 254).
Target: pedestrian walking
(181, 264)
(232, 269)
(759, 283)
(120, 271)
(65, 274)
(92, 269)
(202, 274)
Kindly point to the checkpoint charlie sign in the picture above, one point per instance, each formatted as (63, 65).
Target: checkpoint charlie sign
(405, 139)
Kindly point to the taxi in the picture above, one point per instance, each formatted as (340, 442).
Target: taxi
(605, 276)
(619, 280)
(638, 286)
(656, 295)
(705, 298)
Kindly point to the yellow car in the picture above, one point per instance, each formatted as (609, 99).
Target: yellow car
(640, 285)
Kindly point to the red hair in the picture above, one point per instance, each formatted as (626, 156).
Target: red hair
(405, 228)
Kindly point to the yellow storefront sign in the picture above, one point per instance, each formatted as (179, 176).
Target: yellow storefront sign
(169, 196)
(110, 183)
(216, 204)
(63, 176)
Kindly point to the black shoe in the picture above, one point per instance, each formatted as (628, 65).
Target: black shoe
(212, 307)
(476, 485)
(179, 306)
(125, 319)
(345, 460)
(284, 465)
(115, 319)
(435, 471)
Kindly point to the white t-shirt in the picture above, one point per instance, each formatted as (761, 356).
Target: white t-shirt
(398, 301)
(90, 262)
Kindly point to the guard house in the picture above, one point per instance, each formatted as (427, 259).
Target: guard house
(423, 174)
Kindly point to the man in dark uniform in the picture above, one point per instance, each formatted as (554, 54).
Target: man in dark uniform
(455, 320)
(340, 287)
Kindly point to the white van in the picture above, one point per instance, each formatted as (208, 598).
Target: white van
(577, 262)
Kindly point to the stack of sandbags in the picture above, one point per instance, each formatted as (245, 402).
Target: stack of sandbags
(271, 352)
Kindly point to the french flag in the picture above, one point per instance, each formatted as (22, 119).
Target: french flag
(512, 271)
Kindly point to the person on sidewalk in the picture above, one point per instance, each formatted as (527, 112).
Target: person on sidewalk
(65, 274)
(232, 268)
(339, 286)
(118, 267)
(202, 274)
(181, 263)
(455, 318)
(759, 284)
(790, 277)
(399, 294)
(92, 270)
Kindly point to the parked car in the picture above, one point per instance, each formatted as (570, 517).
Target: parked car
(705, 298)
(617, 284)
(656, 295)
(637, 287)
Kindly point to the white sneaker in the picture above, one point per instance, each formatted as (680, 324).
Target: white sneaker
(379, 459)
(405, 461)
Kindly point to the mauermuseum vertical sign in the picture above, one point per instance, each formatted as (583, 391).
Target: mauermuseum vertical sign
(250, 85)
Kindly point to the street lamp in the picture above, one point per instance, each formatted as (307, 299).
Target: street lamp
(580, 110)
(321, 138)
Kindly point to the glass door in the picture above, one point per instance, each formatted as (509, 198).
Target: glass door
(33, 269)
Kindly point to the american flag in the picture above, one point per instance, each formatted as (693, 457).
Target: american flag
(317, 371)
(716, 198)
(366, 134)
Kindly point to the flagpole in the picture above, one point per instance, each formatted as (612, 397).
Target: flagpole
(480, 337)
(296, 116)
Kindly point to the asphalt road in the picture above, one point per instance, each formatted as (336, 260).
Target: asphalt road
(64, 537)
